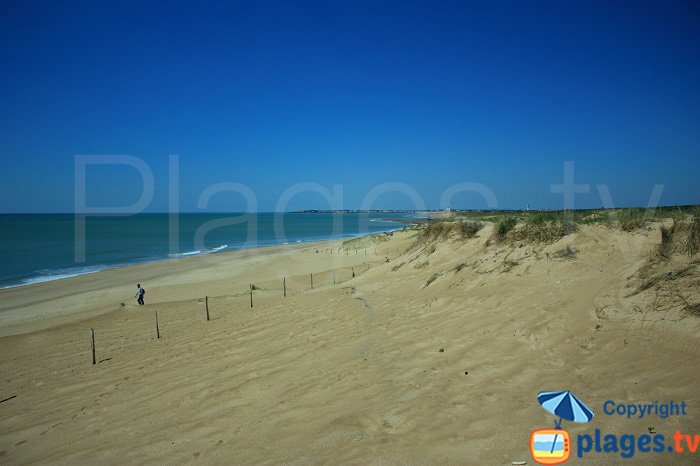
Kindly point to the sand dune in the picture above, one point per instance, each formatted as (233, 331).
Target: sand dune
(433, 358)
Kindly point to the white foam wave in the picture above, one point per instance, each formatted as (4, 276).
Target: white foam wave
(185, 254)
(46, 275)
(199, 252)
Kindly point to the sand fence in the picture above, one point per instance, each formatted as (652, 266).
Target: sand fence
(142, 324)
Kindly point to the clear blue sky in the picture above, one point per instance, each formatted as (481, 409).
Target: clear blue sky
(353, 93)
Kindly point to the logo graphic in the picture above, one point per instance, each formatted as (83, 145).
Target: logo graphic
(550, 446)
(553, 446)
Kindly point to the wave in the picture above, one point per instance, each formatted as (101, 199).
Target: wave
(45, 275)
(185, 254)
(108, 255)
(198, 252)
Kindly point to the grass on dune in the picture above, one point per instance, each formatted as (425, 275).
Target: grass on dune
(543, 227)
(692, 241)
(550, 225)
(503, 228)
(627, 219)
(682, 236)
(443, 230)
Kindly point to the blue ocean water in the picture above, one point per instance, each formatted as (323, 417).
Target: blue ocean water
(42, 247)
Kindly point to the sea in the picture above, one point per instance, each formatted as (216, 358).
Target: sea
(37, 248)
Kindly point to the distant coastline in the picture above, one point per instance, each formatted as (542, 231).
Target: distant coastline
(357, 211)
(39, 247)
(419, 216)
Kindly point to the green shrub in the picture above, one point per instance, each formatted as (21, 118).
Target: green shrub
(469, 229)
(632, 219)
(443, 230)
(504, 227)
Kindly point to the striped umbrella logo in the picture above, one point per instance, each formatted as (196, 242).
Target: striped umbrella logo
(565, 405)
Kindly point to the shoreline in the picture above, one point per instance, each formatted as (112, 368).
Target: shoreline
(38, 306)
(48, 278)
(409, 221)
(342, 351)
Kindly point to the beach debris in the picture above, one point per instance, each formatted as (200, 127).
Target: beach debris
(441, 350)
(466, 372)
(519, 462)
(8, 399)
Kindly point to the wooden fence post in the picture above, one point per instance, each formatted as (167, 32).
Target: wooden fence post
(284, 285)
(206, 305)
(251, 296)
(92, 333)
(157, 327)
(312, 281)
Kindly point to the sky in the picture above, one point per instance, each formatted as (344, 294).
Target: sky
(389, 103)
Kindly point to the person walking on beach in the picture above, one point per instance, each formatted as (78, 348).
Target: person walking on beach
(139, 294)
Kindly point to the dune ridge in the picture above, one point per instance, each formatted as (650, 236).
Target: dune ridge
(435, 357)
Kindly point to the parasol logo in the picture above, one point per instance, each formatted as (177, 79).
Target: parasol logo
(553, 446)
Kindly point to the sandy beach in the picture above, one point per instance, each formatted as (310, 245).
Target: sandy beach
(369, 233)
(435, 357)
